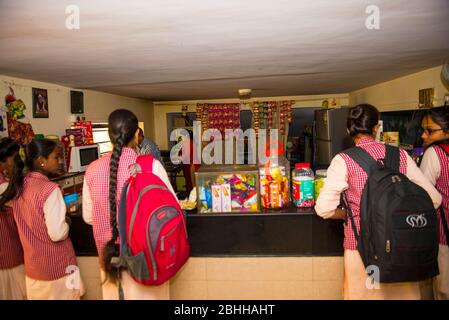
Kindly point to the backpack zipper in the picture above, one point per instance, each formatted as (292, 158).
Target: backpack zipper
(388, 247)
(153, 261)
(164, 236)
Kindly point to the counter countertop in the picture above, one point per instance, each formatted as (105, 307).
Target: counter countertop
(286, 232)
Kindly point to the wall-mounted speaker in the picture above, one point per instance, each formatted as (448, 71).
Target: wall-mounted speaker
(76, 101)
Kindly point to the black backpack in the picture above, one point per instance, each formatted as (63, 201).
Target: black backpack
(398, 223)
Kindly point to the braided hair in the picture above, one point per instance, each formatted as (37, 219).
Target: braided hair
(9, 148)
(122, 127)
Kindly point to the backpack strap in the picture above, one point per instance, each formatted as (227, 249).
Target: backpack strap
(362, 158)
(121, 261)
(445, 225)
(392, 157)
(351, 216)
(122, 221)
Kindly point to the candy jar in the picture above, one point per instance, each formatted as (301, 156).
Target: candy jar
(303, 186)
(275, 179)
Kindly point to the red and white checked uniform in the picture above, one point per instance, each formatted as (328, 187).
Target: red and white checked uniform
(11, 253)
(44, 259)
(442, 185)
(356, 181)
(97, 179)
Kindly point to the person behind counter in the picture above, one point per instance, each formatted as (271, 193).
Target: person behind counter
(146, 146)
(40, 215)
(103, 183)
(188, 156)
(344, 175)
(435, 125)
(12, 272)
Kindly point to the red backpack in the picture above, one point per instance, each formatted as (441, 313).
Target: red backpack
(153, 234)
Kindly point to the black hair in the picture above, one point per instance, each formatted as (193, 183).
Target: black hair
(362, 119)
(38, 148)
(122, 127)
(440, 115)
(8, 148)
(140, 131)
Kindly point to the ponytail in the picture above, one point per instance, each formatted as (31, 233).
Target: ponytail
(111, 249)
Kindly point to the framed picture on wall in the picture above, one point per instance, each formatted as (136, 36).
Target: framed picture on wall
(40, 103)
(3, 123)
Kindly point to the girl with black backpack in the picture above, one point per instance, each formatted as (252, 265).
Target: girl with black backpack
(435, 166)
(346, 176)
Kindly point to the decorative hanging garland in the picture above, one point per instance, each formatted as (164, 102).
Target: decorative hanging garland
(264, 115)
(220, 116)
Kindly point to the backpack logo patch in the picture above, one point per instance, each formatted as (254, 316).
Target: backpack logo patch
(416, 220)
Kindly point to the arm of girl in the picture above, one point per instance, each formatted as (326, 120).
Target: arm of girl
(430, 166)
(3, 188)
(159, 171)
(87, 204)
(415, 175)
(55, 213)
(336, 183)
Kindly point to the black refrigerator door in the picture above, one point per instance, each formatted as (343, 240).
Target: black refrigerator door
(323, 152)
(322, 130)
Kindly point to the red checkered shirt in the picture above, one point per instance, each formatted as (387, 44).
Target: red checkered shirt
(97, 179)
(442, 185)
(11, 253)
(45, 259)
(356, 181)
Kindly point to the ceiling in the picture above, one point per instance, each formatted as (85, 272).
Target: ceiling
(180, 50)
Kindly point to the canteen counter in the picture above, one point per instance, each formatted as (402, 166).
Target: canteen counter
(286, 232)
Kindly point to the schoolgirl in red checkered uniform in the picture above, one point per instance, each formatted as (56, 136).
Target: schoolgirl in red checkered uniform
(103, 183)
(12, 272)
(345, 175)
(39, 213)
(435, 166)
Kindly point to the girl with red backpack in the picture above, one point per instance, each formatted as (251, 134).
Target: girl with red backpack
(103, 184)
(12, 272)
(40, 215)
(435, 165)
(345, 175)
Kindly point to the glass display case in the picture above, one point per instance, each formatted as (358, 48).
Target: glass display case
(228, 188)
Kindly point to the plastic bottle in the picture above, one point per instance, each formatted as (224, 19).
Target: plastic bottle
(320, 178)
(303, 186)
(275, 179)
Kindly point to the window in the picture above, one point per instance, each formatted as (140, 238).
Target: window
(101, 136)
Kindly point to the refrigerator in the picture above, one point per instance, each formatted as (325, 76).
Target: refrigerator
(330, 134)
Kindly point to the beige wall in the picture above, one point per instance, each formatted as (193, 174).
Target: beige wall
(162, 108)
(401, 93)
(267, 278)
(97, 105)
